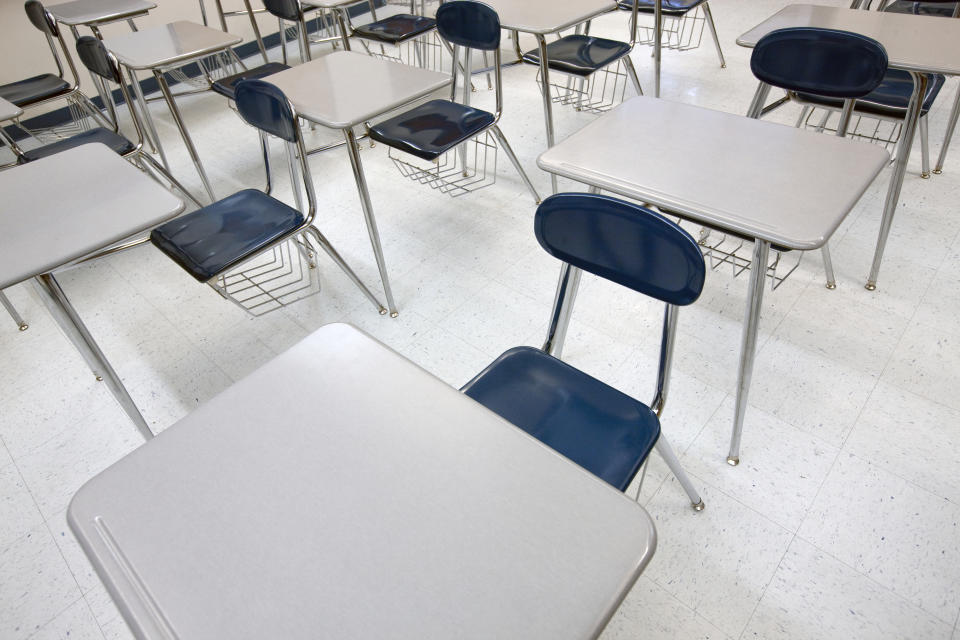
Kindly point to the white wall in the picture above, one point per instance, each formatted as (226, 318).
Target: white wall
(24, 51)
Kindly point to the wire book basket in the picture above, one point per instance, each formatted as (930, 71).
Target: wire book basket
(275, 278)
(680, 32)
(597, 93)
(875, 130)
(723, 250)
(470, 166)
(424, 51)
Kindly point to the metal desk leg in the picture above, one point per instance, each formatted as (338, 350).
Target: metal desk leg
(66, 316)
(367, 206)
(256, 30)
(178, 119)
(21, 324)
(547, 101)
(951, 125)
(899, 171)
(748, 344)
(657, 37)
(151, 134)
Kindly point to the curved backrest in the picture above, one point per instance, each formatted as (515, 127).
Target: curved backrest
(624, 243)
(286, 9)
(265, 107)
(95, 57)
(40, 17)
(827, 62)
(469, 24)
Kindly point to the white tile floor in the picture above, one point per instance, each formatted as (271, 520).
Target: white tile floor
(842, 520)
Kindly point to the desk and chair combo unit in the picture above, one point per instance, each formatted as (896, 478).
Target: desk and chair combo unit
(364, 419)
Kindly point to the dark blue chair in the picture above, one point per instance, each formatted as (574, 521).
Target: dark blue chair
(101, 64)
(677, 9)
(438, 126)
(819, 67)
(603, 430)
(219, 238)
(43, 88)
(291, 11)
(830, 59)
(581, 55)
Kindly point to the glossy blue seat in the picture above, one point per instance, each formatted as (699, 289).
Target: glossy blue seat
(115, 141)
(594, 425)
(219, 237)
(936, 9)
(432, 129)
(669, 7)
(601, 429)
(579, 54)
(227, 86)
(23, 93)
(396, 29)
(889, 99)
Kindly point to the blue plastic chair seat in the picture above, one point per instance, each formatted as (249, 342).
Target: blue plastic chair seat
(669, 7)
(889, 99)
(227, 86)
(25, 92)
(221, 236)
(396, 29)
(937, 9)
(115, 141)
(601, 429)
(579, 54)
(432, 128)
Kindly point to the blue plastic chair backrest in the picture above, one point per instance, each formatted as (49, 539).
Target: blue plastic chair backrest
(39, 17)
(624, 243)
(286, 9)
(826, 62)
(94, 57)
(469, 24)
(265, 107)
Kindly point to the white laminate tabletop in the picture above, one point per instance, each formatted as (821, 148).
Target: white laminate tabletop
(63, 207)
(80, 12)
(547, 16)
(168, 44)
(756, 178)
(340, 491)
(8, 110)
(916, 43)
(346, 88)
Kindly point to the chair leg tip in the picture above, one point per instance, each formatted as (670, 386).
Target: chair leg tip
(870, 286)
(733, 460)
(699, 506)
(394, 314)
(23, 327)
(925, 176)
(938, 171)
(831, 285)
(723, 66)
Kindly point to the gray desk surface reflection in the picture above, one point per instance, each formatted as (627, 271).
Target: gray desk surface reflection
(919, 43)
(168, 44)
(751, 177)
(346, 88)
(80, 12)
(9, 111)
(340, 491)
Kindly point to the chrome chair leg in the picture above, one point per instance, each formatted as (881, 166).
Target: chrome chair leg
(924, 147)
(828, 266)
(803, 115)
(187, 141)
(951, 125)
(565, 297)
(152, 166)
(502, 140)
(21, 324)
(336, 257)
(547, 102)
(71, 324)
(713, 32)
(666, 452)
(371, 221)
(633, 74)
(152, 138)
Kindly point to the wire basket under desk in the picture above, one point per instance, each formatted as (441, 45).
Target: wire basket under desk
(597, 93)
(470, 166)
(679, 32)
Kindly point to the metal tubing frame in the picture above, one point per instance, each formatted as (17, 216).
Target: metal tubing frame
(910, 121)
(5, 302)
(187, 141)
(748, 344)
(148, 119)
(66, 316)
(657, 43)
(713, 31)
(562, 311)
(547, 102)
(354, 153)
(951, 125)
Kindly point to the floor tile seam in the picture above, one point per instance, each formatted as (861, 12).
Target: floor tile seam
(46, 524)
(36, 506)
(876, 583)
(54, 617)
(766, 587)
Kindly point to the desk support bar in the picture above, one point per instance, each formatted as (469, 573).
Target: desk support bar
(71, 324)
(748, 343)
(899, 171)
(547, 101)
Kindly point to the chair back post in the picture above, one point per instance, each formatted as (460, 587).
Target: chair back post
(845, 114)
(634, 19)
(667, 340)
(455, 53)
(44, 21)
(472, 25)
(759, 100)
(265, 149)
(563, 301)
(103, 67)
